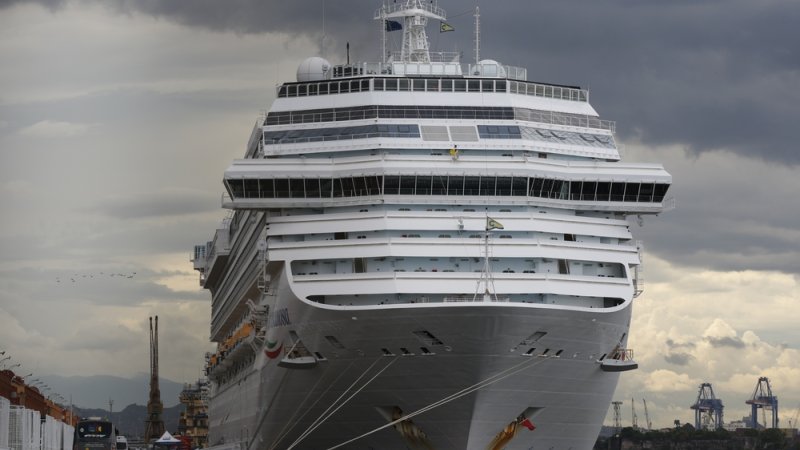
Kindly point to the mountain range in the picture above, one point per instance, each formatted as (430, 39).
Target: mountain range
(94, 392)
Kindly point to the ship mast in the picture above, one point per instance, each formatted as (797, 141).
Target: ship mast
(415, 15)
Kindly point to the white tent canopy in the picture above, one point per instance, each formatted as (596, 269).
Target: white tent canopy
(167, 438)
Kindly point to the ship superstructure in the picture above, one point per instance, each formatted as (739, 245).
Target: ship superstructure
(423, 254)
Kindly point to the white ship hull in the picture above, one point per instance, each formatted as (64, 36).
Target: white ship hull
(272, 406)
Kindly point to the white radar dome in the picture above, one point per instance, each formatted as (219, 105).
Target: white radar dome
(314, 69)
(491, 68)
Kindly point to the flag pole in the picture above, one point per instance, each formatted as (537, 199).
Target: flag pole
(383, 33)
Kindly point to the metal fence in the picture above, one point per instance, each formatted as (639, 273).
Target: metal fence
(23, 429)
(5, 410)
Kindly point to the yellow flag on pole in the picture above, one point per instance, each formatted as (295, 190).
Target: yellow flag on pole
(492, 224)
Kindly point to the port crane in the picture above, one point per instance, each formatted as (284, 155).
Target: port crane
(707, 409)
(763, 399)
(647, 416)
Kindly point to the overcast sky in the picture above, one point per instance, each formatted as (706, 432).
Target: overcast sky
(117, 119)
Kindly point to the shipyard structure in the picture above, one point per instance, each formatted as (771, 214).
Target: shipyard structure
(29, 420)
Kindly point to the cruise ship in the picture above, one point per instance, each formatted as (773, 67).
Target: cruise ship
(421, 253)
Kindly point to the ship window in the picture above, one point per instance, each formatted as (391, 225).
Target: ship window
(302, 90)
(660, 192)
(419, 85)
(561, 189)
(323, 88)
(297, 188)
(617, 192)
(373, 185)
(236, 188)
(488, 185)
(455, 185)
(282, 188)
(473, 85)
(588, 190)
(312, 188)
(378, 83)
(326, 187)
(391, 84)
(472, 186)
(312, 89)
(404, 84)
(603, 191)
(344, 87)
(487, 86)
(447, 85)
(359, 186)
(391, 184)
(334, 87)
(359, 265)
(439, 185)
(547, 188)
(536, 187)
(631, 192)
(460, 85)
(282, 91)
(519, 186)
(503, 186)
(423, 185)
(500, 86)
(364, 85)
(266, 188)
(347, 187)
(407, 184)
(646, 192)
(575, 189)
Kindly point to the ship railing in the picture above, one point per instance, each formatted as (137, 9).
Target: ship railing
(473, 298)
(622, 354)
(638, 275)
(255, 137)
(556, 118)
(338, 137)
(492, 70)
(434, 57)
(392, 8)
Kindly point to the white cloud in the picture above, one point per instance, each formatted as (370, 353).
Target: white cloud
(49, 129)
(663, 380)
(696, 326)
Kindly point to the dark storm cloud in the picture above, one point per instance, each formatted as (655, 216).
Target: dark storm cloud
(717, 342)
(705, 74)
(673, 344)
(679, 359)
